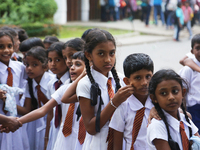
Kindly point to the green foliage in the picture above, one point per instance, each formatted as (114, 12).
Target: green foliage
(40, 29)
(26, 11)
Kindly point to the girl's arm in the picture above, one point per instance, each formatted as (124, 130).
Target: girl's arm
(118, 140)
(190, 63)
(38, 113)
(161, 144)
(87, 109)
(26, 108)
(70, 95)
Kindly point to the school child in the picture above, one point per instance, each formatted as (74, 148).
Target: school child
(15, 36)
(188, 59)
(71, 47)
(57, 66)
(133, 113)
(193, 77)
(49, 40)
(97, 104)
(27, 44)
(69, 141)
(22, 34)
(36, 95)
(180, 21)
(173, 131)
(13, 74)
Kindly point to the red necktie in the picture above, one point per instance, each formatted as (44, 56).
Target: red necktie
(136, 125)
(67, 128)
(15, 58)
(58, 112)
(41, 97)
(9, 83)
(81, 132)
(185, 141)
(10, 77)
(111, 131)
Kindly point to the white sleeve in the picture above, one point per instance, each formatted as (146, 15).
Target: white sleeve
(57, 95)
(186, 73)
(83, 88)
(156, 130)
(118, 119)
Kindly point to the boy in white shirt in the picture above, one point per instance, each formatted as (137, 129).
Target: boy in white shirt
(193, 79)
(138, 69)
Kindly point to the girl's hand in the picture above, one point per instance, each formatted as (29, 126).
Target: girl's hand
(153, 114)
(122, 94)
(3, 95)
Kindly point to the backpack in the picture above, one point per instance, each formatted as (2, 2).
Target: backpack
(174, 18)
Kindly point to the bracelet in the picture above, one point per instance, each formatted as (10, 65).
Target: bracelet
(46, 137)
(111, 102)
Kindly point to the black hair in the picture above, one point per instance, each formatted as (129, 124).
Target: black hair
(22, 34)
(77, 44)
(158, 77)
(85, 33)
(50, 39)
(179, 4)
(195, 39)
(136, 62)
(79, 55)
(27, 44)
(6, 33)
(39, 53)
(12, 31)
(58, 47)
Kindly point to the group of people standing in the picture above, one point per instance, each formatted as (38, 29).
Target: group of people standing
(75, 99)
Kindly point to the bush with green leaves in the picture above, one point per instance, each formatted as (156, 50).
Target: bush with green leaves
(27, 11)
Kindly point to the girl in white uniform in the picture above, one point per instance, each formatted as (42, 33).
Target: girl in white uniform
(57, 66)
(36, 67)
(166, 91)
(18, 139)
(92, 91)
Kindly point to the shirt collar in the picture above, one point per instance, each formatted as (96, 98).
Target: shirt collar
(103, 79)
(43, 82)
(11, 64)
(174, 123)
(64, 77)
(135, 104)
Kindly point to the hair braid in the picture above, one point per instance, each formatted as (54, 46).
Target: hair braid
(186, 117)
(116, 78)
(87, 65)
(33, 99)
(163, 117)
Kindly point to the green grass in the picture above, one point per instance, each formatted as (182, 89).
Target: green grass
(77, 31)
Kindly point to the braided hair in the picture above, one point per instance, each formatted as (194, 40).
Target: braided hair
(92, 39)
(158, 77)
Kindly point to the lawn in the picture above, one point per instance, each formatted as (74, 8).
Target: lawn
(77, 31)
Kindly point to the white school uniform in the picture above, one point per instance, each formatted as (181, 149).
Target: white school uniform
(68, 142)
(123, 119)
(193, 79)
(158, 130)
(18, 139)
(190, 55)
(97, 141)
(51, 89)
(36, 129)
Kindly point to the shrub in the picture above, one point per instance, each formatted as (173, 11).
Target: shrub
(27, 11)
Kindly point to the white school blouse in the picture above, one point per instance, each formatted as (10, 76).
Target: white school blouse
(36, 129)
(123, 119)
(18, 139)
(53, 132)
(193, 79)
(157, 130)
(68, 142)
(97, 141)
